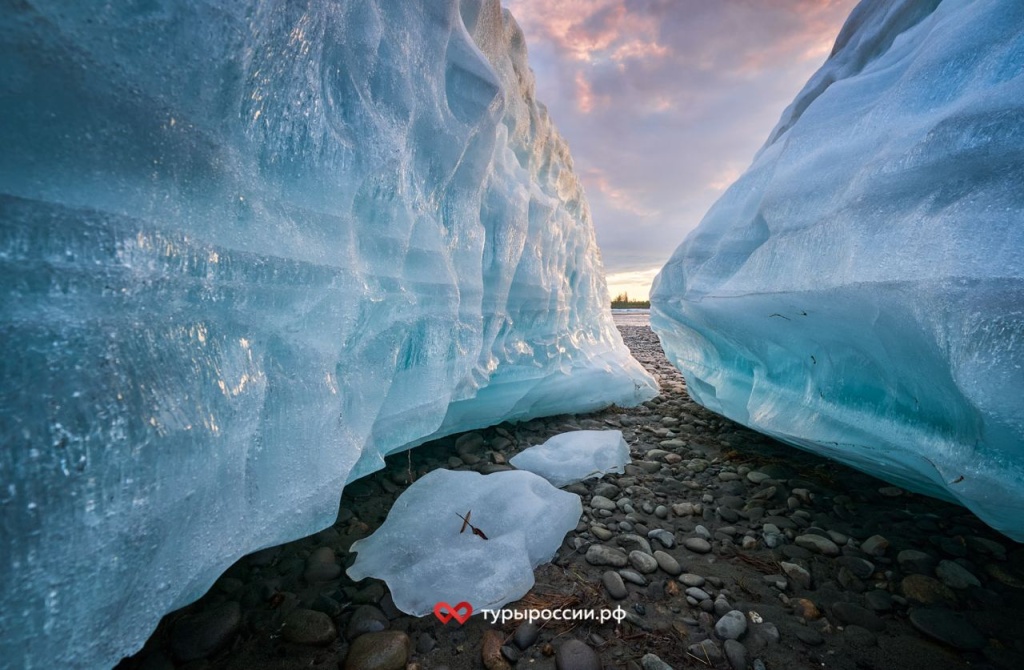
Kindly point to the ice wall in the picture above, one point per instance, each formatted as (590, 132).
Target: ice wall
(859, 291)
(245, 249)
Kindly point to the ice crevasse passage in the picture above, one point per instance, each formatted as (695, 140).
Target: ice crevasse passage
(246, 249)
(859, 291)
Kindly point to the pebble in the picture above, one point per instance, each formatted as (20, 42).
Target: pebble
(321, 566)
(955, 576)
(806, 609)
(366, 619)
(809, 636)
(490, 650)
(667, 539)
(876, 545)
(613, 583)
(732, 626)
(697, 594)
(799, 577)
(309, 627)
(736, 654)
(633, 577)
(644, 563)
(199, 635)
(697, 545)
(948, 627)
(690, 579)
(601, 533)
(667, 563)
(576, 655)
(757, 477)
(849, 613)
(386, 650)
(600, 502)
(926, 590)
(652, 662)
(912, 560)
(526, 634)
(878, 600)
(817, 544)
(706, 650)
(599, 554)
(860, 567)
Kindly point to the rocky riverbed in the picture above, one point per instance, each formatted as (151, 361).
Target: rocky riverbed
(724, 549)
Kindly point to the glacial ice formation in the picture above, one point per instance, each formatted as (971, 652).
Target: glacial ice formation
(859, 291)
(426, 557)
(576, 455)
(248, 248)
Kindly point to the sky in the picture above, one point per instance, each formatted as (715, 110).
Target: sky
(664, 104)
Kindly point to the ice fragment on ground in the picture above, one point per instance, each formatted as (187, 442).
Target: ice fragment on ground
(425, 559)
(576, 455)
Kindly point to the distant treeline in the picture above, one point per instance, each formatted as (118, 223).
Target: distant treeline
(622, 301)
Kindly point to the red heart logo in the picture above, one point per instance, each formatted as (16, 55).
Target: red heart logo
(456, 612)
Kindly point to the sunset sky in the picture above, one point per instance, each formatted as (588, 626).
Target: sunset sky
(665, 102)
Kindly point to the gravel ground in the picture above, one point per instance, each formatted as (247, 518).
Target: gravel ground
(723, 547)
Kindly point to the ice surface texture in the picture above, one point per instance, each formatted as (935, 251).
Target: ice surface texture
(858, 291)
(576, 455)
(425, 559)
(246, 248)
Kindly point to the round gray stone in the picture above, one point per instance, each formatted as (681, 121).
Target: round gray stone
(736, 654)
(817, 544)
(614, 584)
(697, 545)
(955, 576)
(667, 563)
(644, 563)
(732, 626)
(599, 554)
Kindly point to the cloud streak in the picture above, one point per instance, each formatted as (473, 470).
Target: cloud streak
(665, 102)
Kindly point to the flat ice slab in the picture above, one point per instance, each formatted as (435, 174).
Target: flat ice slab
(425, 559)
(576, 455)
